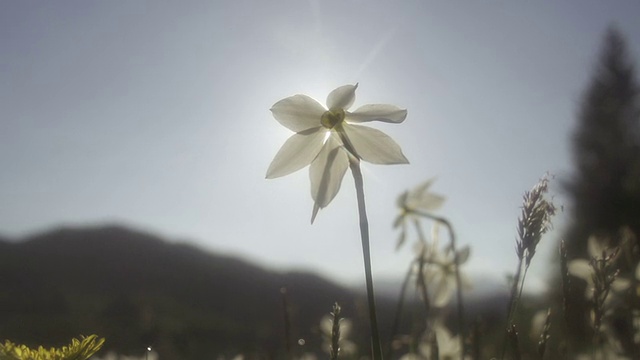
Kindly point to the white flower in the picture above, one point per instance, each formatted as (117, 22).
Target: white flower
(441, 272)
(449, 347)
(440, 269)
(416, 199)
(327, 138)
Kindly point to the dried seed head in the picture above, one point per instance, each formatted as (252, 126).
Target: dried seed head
(335, 331)
(535, 219)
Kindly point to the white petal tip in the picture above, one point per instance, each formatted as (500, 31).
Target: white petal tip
(316, 208)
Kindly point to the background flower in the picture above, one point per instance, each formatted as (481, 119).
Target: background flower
(416, 199)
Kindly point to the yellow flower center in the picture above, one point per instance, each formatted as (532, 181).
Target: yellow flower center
(332, 118)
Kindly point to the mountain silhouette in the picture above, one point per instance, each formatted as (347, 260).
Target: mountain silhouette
(138, 290)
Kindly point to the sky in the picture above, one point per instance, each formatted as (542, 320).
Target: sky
(155, 115)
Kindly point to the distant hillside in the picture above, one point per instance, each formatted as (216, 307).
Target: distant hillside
(136, 290)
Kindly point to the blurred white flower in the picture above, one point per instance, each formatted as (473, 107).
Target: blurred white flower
(327, 138)
(538, 321)
(606, 352)
(449, 347)
(416, 199)
(150, 355)
(440, 269)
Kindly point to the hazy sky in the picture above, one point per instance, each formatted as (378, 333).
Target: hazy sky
(155, 114)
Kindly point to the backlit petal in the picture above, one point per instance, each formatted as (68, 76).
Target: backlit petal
(326, 172)
(378, 112)
(621, 284)
(428, 201)
(401, 201)
(463, 254)
(595, 247)
(298, 112)
(420, 198)
(342, 97)
(401, 238)
(581, 269)
(373, 145)
(443, 293)
(297, 152)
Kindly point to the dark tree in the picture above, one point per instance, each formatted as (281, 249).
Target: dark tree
(605, 187)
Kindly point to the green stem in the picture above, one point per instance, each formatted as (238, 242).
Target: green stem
(354, 164)
(461, 316)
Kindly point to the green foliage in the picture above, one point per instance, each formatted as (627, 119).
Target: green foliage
(79, 349)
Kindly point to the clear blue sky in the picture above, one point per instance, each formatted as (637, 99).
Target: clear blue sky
(155, 114)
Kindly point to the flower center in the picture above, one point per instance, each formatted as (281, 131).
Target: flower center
(332, 118)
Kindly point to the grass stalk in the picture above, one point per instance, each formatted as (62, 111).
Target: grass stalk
(336, 317)
(513, 303)
(512, 335)
(376, 344)
(287, 323)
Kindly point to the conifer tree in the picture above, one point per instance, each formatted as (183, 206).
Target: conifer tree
(605, 187)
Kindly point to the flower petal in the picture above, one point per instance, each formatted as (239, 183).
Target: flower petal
(420, 198)
(378, 112)
(595, 247)
(399, 220)
(621, 284)
(443, 292)
(463, 254)
(428, 202)
(326, 172)
(342, 97)
(581, 268)
(373, 145)
(401, 201)
(298, 112)
(297, 152)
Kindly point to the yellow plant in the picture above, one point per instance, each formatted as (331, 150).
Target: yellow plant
(81, 349)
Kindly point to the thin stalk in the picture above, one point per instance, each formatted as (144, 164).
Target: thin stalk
(461, 316)
(421, 281)
(421, 285)
(287, 323)
(513, 301)
(335, 332)
(399, 307)
(376, 344)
